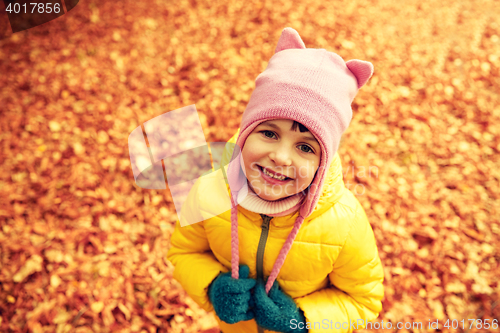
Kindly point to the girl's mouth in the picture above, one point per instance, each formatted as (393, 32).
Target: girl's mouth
(273, 178)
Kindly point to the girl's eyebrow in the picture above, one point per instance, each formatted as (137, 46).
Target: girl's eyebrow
(271, 125)
(304, 137)
(311, 139)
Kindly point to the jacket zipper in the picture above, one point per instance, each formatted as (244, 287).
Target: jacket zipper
(260, 251)
(262, 246)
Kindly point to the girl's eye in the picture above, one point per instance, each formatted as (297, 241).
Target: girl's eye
(269, 134)
(306, 149)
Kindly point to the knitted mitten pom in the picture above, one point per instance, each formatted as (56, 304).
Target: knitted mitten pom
(276, 311)
(230, 297)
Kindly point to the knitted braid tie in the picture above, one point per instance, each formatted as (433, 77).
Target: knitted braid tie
(235, 255)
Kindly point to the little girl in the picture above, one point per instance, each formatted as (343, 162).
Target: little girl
(302, 254)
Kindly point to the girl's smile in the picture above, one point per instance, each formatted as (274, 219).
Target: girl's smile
(278, 160)
(273, 177)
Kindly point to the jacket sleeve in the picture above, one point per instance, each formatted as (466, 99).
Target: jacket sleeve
(355, 294)
(195, 265)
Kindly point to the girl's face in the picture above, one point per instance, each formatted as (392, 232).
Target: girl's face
(279, 161)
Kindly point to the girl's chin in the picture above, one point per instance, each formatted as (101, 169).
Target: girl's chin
(272, 197)
(266, 193)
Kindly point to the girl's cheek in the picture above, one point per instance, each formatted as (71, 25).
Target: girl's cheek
(254, 171)
(305, 172)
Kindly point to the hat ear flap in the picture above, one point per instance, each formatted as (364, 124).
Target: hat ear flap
(362, 70)
(289, 39)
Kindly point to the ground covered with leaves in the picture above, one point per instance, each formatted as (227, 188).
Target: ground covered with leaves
(82, 247)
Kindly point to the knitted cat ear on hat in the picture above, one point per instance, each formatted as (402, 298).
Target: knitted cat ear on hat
(314, 87)
(363, 70)
(289, 39)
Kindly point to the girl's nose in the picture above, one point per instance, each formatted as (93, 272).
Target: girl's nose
(281, 156)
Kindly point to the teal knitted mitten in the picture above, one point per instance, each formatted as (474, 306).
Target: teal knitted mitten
(276, 311)
(230, 297)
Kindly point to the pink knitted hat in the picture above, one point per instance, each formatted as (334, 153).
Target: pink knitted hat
(314, 87)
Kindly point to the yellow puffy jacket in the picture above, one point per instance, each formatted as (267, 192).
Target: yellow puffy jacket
(333, 271)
